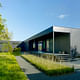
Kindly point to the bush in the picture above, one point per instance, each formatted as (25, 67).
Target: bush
(17, 51)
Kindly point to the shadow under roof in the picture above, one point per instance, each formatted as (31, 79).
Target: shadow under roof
(42, 33)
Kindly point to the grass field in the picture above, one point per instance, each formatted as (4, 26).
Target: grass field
(9, 68)
(48, 66)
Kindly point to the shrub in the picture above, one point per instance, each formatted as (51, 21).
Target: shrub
(17, 51)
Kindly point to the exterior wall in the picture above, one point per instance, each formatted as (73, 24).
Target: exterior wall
(61, 29)
(75, 40)
(4, 44)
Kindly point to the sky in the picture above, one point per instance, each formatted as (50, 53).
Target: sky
(28, 17)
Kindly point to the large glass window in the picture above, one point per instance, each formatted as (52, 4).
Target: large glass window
(40, 46)
(47, 45)
(34, 45)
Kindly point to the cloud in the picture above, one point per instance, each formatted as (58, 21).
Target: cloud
(62, 16)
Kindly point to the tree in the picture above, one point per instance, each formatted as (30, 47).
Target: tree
(4, 47)
(7, 47)
(4, 34)
(0, 5)
(10, 48)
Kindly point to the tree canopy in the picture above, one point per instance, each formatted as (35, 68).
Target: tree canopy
(4, 34)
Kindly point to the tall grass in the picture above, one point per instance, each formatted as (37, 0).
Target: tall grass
(5, 53)
(48, 66)
(9, 68)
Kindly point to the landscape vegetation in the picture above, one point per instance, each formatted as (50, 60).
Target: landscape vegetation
(9, 68)
(48, 66)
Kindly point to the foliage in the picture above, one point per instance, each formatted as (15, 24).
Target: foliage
(9, 68)
(0, 5)
(17, 51)
(4, 34)
(48, 66)
(4, 47)
(10, 49)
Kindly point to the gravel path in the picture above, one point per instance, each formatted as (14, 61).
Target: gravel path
(35, 74)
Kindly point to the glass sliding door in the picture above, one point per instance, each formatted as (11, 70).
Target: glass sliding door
(40, 46)
(47, 45)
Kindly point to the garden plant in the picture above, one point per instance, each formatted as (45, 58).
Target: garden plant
(48, 66)
(9, 68)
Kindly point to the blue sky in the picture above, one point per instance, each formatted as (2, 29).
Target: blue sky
(28, 17)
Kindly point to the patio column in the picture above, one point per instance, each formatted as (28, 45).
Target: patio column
(53, 42)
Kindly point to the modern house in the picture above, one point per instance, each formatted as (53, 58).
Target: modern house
(54, 40)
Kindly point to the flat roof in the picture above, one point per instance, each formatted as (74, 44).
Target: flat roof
(42, 33)
(51, 29)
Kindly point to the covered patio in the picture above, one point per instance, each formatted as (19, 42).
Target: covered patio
(61, 43)
(42, 44)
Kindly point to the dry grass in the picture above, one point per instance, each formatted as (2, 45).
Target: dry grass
(48, 66)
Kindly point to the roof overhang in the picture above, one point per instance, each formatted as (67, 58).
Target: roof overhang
(45, 32)
(61, 29)
(51, 29)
